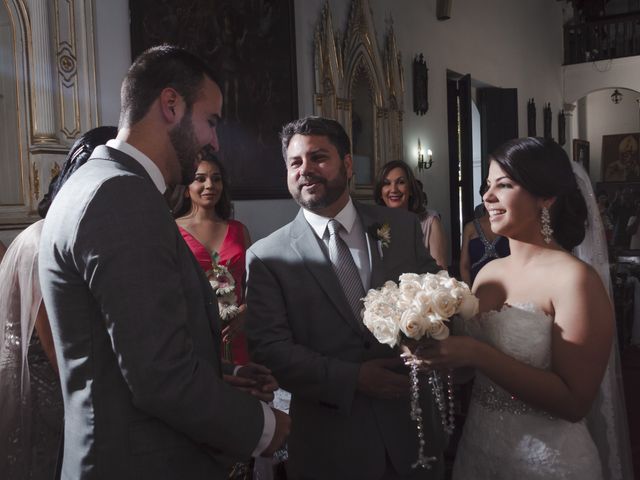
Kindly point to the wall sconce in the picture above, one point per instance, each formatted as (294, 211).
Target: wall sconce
(422, 163)
(616, 96)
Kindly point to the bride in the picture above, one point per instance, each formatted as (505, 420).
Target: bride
(543, 342)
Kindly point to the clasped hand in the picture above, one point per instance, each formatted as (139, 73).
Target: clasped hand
(254, 379)
(452, 352)
(376, 378)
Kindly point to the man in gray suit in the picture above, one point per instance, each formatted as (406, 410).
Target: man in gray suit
(134, 319)
(350, 405)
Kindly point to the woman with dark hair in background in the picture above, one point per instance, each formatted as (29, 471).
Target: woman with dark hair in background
(479, 244)
(206, 225)
(542, 344)
(31, 411)
(398, 188)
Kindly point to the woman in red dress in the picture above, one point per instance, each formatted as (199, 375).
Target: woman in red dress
(207, 228)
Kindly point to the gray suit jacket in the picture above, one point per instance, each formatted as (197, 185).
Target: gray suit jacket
(136, 332)
(300, 325)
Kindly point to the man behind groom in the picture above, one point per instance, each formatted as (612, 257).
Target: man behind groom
(350, 406)
(135, 322)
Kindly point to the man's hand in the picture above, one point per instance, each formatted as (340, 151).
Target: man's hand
(283, 425)
(377, 379)
(254, 379)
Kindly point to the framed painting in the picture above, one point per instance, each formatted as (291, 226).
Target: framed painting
(620, 158)
(251, 47)
(617, 202)
(581, 153)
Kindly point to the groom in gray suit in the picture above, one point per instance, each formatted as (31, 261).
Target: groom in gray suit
(350, 405)
(135, 321)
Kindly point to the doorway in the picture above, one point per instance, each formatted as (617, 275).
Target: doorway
(480, 117)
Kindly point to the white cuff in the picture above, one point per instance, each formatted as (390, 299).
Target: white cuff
(268, 431)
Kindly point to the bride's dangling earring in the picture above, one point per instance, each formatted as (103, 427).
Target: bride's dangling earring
(546, 230)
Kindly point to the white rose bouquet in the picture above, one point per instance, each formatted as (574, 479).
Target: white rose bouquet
(420, 306)
(224, 286)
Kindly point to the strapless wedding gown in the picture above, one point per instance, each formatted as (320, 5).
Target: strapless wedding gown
(504, 438)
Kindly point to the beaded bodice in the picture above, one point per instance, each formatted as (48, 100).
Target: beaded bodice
(522, 332)
(505, 438)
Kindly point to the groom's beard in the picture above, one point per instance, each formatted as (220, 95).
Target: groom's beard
(185, 144)
(333, 190)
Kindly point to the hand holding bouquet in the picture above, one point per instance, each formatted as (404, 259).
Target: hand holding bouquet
(420, 306)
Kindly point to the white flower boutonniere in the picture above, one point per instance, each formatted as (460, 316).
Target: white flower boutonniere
(382, 233)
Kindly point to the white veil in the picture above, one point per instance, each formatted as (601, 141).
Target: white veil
(607, 420)
(20, 299)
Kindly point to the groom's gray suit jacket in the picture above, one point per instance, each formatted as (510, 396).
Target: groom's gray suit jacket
(136, 333)
(300, 325)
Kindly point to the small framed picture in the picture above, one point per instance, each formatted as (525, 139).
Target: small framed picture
(581, 153)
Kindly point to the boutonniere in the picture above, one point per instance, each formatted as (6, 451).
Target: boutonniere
(382, 233)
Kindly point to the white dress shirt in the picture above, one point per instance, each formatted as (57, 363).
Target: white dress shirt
(152, 169)
(352, 233)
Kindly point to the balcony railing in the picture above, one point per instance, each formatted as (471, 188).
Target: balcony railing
(602, 39)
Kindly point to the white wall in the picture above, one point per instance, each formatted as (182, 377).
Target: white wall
(603, 117)
(113, 55)
(499, 42)
(584, 78)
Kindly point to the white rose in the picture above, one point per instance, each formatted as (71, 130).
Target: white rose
(409, 288)
(412, 324)
(430, 282)
(403, 304)
(443, 303)
(448, 283)
(380, 307)
(389, 285)
(459, 292)
(409, 277)
(437, 329)
(443, 275)
(469, 306)
(422, 301)
(384, 329)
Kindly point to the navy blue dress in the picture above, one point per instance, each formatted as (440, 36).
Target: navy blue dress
(482, 251)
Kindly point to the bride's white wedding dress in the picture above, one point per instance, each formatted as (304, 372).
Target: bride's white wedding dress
(505, 438)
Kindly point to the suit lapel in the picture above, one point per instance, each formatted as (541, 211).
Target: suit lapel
(306, 244)
(377, 262)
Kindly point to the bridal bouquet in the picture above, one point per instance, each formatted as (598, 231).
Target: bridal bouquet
(420, 306)
(224, 286)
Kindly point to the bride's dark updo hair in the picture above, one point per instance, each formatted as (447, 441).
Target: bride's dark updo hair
(543, 168)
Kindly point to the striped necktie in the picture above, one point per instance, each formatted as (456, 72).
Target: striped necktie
(345, 268)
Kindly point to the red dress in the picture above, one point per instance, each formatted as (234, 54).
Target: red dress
(232, 255)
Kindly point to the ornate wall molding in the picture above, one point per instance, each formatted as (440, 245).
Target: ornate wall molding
(343, 67)
(43, 124)
(55, 80)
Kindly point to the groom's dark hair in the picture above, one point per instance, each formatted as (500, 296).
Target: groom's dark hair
(155, 69)
(320, 126)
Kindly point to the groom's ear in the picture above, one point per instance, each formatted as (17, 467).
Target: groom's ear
(348, 165)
